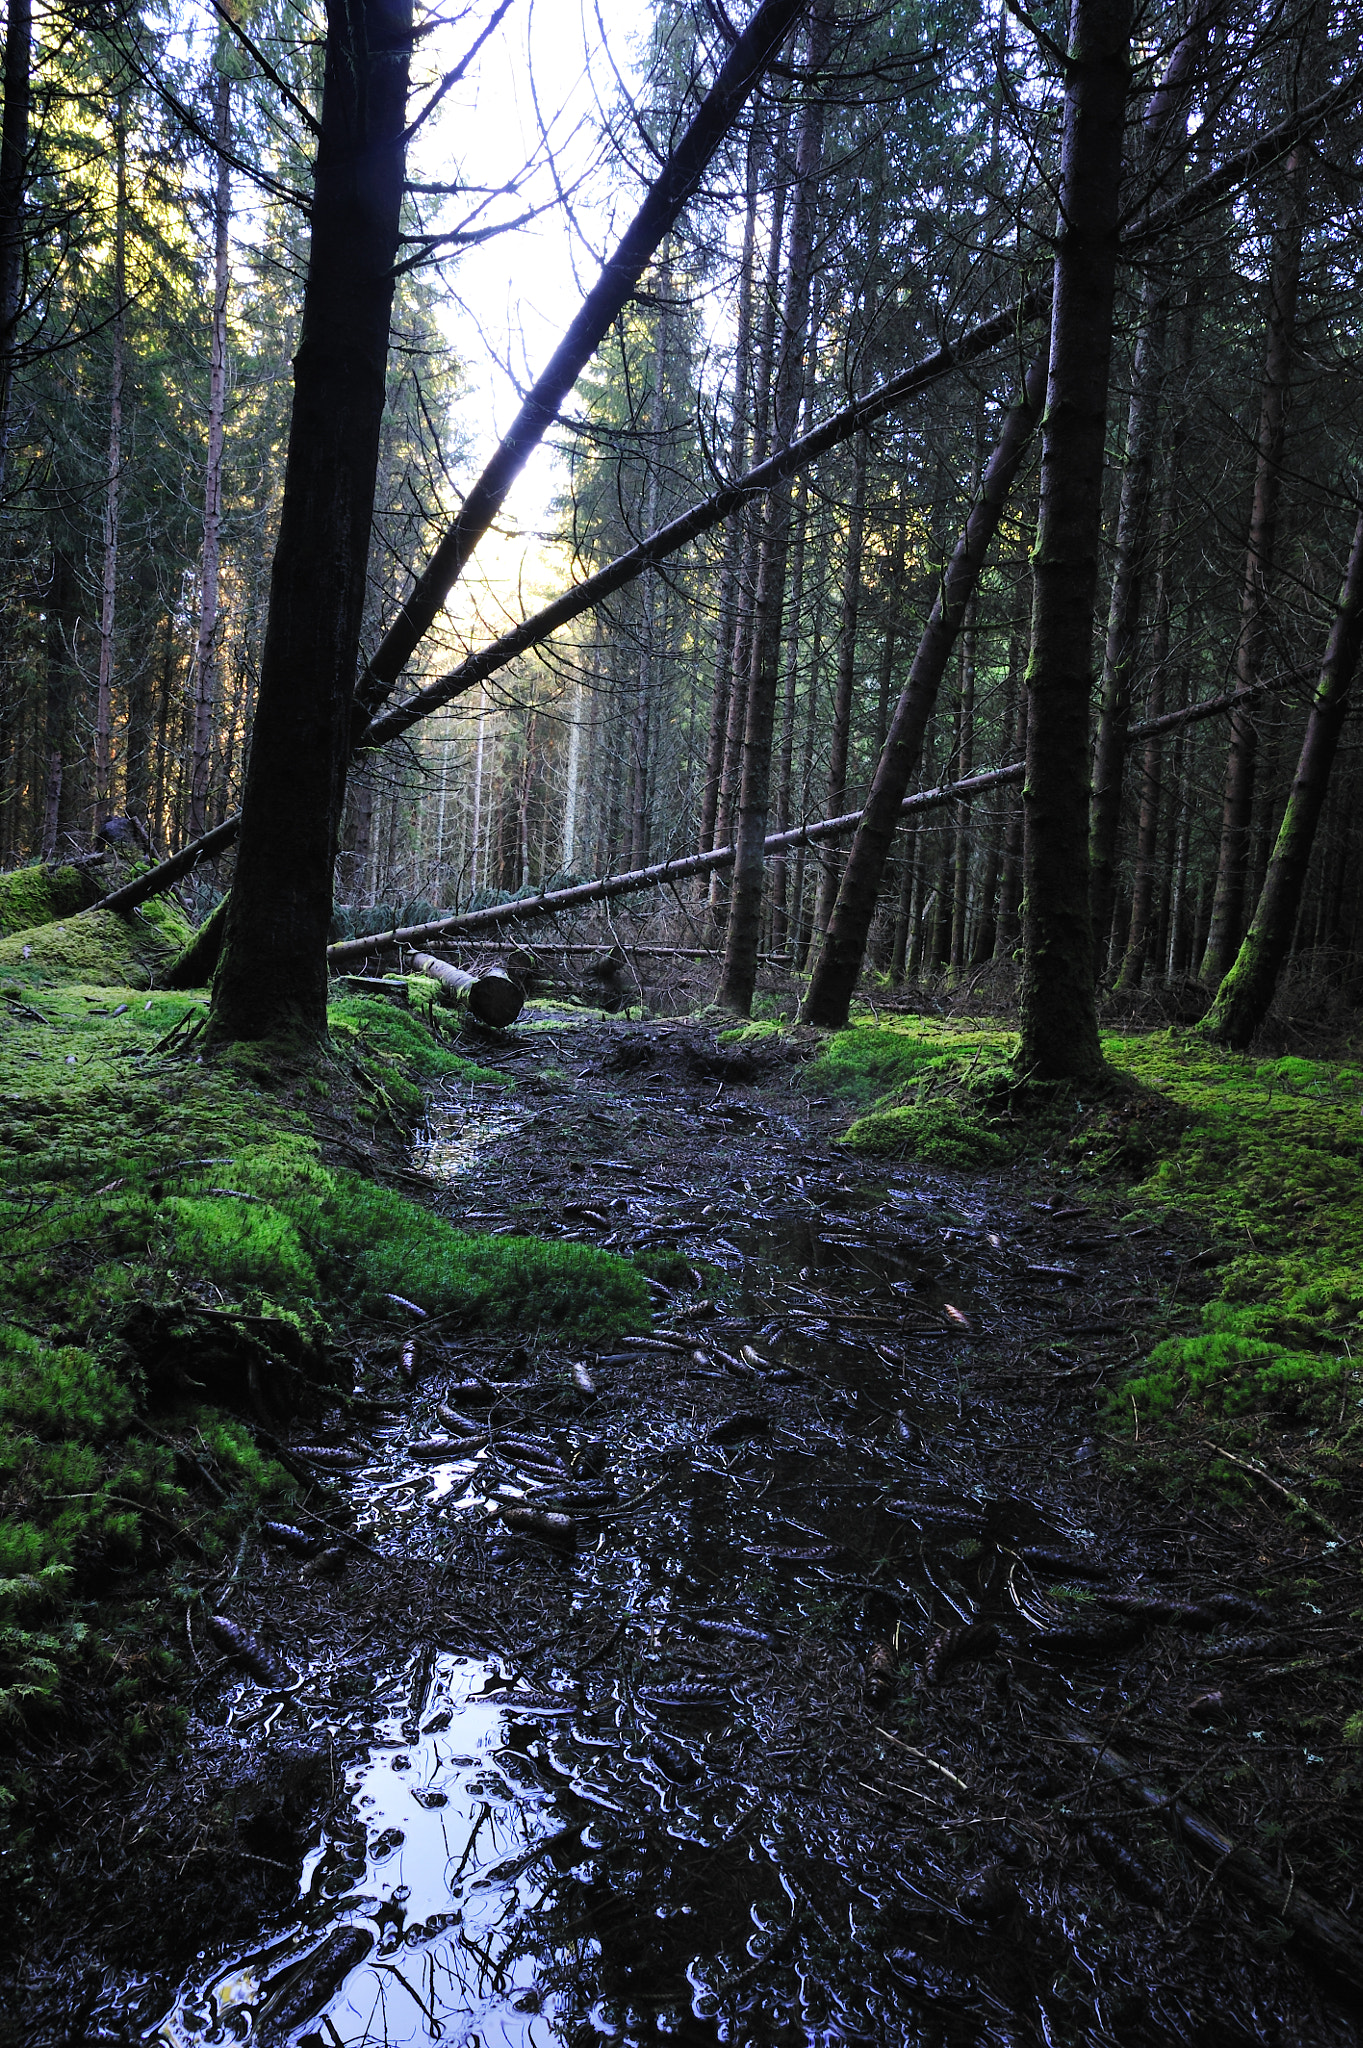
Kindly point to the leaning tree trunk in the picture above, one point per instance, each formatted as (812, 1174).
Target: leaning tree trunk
(1059, 1017)
(844, 944)
(206, 652)
(1247, 990)
(272, 979)
(1237, 803)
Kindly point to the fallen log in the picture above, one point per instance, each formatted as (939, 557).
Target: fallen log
(550, 902)
(492, 997)
(1327, 1932)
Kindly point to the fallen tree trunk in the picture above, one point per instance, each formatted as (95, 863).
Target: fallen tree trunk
(1327, 1932)
(550, 902)
(492, 997)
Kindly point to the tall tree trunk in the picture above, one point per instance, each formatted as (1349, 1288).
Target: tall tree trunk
(113, 483)
(844, 945)
(1245, 993)
(1059, 1018)
(13, 190)
(739, 977)
(1151, 788)
(206, 651)
(726, 619)
(779, 877)
(1128, 590)
(1237, 803)
(272, 979)
(62, 618)
(751, 533)
(640, 766)
(845, 675)
(965, 762)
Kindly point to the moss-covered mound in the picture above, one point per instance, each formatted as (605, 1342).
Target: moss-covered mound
(931, 1131)
(97, 947)
(37, 895)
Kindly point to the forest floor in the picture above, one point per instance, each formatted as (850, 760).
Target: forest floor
(889, 1643)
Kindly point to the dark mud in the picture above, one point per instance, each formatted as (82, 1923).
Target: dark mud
(792, 1676)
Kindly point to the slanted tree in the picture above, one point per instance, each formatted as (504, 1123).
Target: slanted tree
(1243, 999)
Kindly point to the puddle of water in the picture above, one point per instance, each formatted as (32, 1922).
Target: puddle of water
(457, 1134)
(413, 1906)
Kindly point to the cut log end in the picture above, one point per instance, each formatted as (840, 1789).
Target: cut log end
(492, 997)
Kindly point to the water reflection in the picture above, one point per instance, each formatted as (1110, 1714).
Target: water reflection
(411, 1925)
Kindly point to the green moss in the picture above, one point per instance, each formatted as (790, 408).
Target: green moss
(879, 1061)
(34, 896)
(932, 1131)
(166, 1217)
(98, 947)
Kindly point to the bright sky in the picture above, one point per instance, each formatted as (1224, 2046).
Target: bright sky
(540, 86)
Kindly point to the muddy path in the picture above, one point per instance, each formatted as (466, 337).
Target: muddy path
(809, 1672)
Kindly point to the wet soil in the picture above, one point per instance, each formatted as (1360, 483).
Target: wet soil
(811, 1671)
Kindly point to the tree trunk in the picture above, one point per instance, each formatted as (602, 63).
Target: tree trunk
(965, 762)
(206, 652)
(1128, 588)
(1151, 786)
(1223, 935)
(1245, 993)
(845, 675)
(844, 945)
(726, 618)
(13, 189)
(62, 619)
(780, 923)
(739, 978)
(113, 483)
(750, 542)
(1059, 1019)
(273, 978)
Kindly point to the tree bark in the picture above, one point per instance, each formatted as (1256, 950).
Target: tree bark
(13, 190)
(272, 980)
(113, 484)
(1128, 589)
(1059, 1019)
(62, 620)
(726, 610)
(1243, 999)
(206, 651)
(845, 673)
(844, 945)
(1237, 803)
(1151, 784)
(742, 932)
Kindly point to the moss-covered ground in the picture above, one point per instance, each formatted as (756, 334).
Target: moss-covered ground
(1264, 1156)
(191, 1243)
